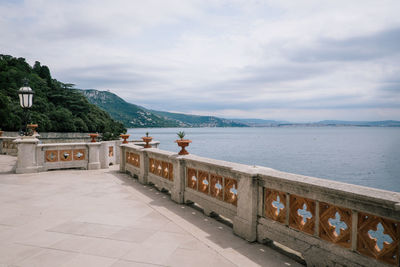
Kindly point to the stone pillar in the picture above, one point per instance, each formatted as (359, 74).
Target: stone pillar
(27, 161)
(94, 151)
(245, 222)
(117, 151)
(103, 155)
(179, 178)
(144, 166)
(122, 157)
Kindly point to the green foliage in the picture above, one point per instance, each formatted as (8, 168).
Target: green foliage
(57, 107)
(181, 134)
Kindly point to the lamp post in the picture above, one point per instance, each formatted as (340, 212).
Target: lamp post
(25, 100)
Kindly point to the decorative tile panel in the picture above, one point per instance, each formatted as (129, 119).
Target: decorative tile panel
(378, 238)
(230, 191)
(204, 182)
(275, 205)
(158, 168)
(51, 155)
(133, 159)
(165, 169)
(79, 154)
(110, 151)
(192, 178)
(152, 166)
(335, 224)
(216, 188)
(161, 168)
(302, 214)
(65, 155)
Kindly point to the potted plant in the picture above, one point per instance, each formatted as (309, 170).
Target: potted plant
(93, 136)
(182, 143)
(147, 139)
(32, 128)
(1, 132)
(125, 137)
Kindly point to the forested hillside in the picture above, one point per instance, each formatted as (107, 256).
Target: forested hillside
(136, 116)
(56, 106)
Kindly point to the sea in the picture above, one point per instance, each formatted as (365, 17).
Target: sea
(367, 156)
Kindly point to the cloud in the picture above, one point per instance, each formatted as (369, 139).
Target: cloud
(232, 58)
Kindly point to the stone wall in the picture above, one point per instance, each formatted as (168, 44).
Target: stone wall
(327, 222)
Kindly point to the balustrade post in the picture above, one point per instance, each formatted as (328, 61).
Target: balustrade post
(177, 192)
(27, 160)
(94, 151)
(245, 222)
(122, 158)
(144, 166)
(103, 154)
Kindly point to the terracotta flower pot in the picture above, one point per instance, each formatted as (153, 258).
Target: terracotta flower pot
(183, 143)
(93, 136)
(147, 140)
(33, 128)
(125, 137)
(1, 133)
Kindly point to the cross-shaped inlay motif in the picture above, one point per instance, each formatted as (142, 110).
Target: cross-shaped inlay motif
(52, 156)
(79, 155)
(66, 155)
(380, 237)
(337, 224)
(218, 186)
(278, 205)
(304, 213)
(194, 178)
(233, 190)
(205, 182)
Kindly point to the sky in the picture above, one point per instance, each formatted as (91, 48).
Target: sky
(284, 60)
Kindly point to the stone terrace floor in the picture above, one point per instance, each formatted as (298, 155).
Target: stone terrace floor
(105, 218)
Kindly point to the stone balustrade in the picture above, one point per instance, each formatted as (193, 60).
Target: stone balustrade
(329, 223)
(7, 146)
(36, 157)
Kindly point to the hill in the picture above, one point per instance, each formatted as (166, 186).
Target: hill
(136, 116)
(57, 107)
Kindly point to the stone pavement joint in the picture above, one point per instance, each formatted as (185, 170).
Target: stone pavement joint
(105, 218)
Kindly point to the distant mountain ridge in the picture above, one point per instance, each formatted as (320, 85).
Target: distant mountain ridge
(132, 115)
(337, 123)
(136, 116)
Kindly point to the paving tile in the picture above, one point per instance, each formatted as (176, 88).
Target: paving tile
(122, 263)
(74, 243)
(150, 254)
(130, 234)
(11, 253)
(86, 229)
(194, 258)
(83, 260)
(108, 248)
(47, 258)
(42, 239)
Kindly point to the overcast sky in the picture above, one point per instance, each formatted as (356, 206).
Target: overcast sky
(284, 60)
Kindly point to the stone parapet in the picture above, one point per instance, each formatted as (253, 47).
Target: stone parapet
(329, 223)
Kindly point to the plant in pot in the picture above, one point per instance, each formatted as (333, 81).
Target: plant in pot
(1, 132)
(32, 128)
(182, 143)
(147, 139)
(125, 137)
(93, 136)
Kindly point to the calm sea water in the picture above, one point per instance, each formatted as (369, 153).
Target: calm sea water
(356, 155)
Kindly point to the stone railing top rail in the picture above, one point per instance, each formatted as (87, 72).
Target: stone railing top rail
(68, 144)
